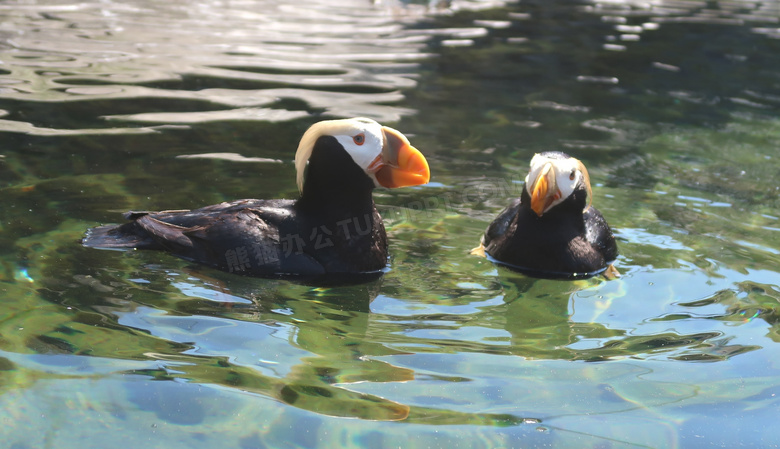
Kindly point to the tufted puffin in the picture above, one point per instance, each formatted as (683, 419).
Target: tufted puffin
(333, 228)
(552, 230)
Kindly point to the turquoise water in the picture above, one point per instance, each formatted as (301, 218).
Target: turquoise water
(672, 106)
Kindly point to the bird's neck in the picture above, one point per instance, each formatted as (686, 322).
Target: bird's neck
(567, 215)
(334, 184)
(335, 200)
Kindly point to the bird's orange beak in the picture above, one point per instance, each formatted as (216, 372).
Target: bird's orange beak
(400, 164)
(544, 190)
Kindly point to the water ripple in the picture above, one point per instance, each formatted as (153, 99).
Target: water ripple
(338, 58)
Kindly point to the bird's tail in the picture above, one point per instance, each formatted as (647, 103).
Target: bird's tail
(117, 236)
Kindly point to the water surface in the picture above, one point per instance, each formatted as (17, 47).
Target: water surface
(672, 106)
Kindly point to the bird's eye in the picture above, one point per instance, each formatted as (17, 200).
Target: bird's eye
(572, 175)
(359, 139)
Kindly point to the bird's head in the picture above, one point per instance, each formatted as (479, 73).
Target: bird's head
(555, 176)
(384, 154)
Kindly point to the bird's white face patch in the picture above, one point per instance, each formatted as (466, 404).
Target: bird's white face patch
(569, 172)
(364, 143)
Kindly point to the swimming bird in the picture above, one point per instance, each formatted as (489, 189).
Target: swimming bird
(552, 230)
(333, 228)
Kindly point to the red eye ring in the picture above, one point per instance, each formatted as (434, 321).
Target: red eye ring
(359, 139)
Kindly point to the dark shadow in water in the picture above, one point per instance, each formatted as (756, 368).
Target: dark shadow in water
(184, 319)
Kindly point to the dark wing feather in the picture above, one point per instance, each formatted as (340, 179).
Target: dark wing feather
(171, 236)
(216, 235)
(500, 225)
(599, 234)
(174, 229)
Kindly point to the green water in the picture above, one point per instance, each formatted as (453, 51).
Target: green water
(673, 108)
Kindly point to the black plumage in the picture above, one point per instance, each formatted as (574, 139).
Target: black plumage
(334, 227)
(552, 230)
